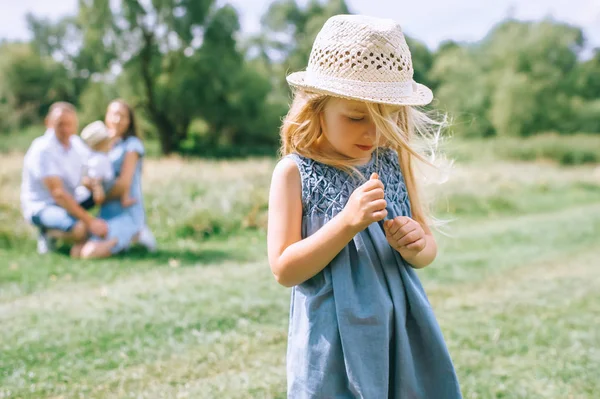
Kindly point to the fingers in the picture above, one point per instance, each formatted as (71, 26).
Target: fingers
(387, 224)
(394, 227)
(404, 230)
(399, 223)
(377, 205)
(380, 215)
(418, 245)
(410, 238)
(403, 220)
(375, 194)
(372, 185)
(374, 176)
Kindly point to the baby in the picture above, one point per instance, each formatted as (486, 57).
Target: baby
(98, 167)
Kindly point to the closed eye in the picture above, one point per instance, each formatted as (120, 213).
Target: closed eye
(356, 119)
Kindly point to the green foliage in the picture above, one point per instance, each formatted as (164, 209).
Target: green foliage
(523, 78)
(289, 31)
(29, 83)
(20, 140)
(185, 62)
(422, 60)
(94, 99)
(175, 62)
(566, 150)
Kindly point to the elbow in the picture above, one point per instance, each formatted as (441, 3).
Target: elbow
(281, 276)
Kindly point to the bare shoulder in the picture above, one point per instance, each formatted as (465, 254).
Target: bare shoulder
(286, 173)
(286, 186)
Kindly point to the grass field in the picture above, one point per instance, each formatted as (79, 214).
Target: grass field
(516, 286)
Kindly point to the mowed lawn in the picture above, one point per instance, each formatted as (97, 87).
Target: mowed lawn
(516, 289)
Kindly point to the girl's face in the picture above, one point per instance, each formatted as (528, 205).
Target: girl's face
(348, 129)
(117, 119)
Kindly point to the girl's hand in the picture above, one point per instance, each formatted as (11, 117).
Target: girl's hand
(366, 205)
(405, 235)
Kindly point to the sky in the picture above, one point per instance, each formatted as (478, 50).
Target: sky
(430, 21)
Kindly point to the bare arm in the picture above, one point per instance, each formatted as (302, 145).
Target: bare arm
(63, 199)
(123, 182)
(294, 260)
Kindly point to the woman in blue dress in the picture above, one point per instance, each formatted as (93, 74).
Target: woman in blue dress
(126, 225)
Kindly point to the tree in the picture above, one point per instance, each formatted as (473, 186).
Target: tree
(518, 80)
(422, 60)
(29, 83)
(586, 104)
(175, 61)
(288, 33)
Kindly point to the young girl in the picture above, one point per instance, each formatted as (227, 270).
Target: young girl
(346, 225)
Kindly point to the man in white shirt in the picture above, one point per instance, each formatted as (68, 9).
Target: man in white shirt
(52, 170)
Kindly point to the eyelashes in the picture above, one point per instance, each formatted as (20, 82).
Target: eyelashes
(356, 119)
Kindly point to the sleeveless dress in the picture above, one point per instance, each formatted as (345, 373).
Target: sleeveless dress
(363, 326)
(125, 223)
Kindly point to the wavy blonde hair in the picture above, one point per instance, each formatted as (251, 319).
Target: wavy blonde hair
(410, 132)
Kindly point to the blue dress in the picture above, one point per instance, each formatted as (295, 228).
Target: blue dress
(363, 326)
(125, 223)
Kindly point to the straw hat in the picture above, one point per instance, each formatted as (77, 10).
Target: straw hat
(362, 58)
(94, 133)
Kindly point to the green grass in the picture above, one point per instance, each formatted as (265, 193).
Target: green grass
(567, 150)
(516, 289)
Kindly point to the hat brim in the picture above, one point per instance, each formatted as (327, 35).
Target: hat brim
(421, 94)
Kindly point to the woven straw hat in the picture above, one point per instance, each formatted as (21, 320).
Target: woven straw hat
(362, 58)
(94, 133)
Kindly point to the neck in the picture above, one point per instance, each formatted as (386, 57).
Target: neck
(65, 142)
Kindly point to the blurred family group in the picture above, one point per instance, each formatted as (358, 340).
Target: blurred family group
(67, 177)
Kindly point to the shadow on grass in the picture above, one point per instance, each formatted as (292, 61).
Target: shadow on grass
(181, 257)
(184, 257)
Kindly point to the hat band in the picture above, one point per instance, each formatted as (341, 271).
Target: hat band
(395, 89)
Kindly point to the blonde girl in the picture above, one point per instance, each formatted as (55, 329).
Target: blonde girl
(347, 226)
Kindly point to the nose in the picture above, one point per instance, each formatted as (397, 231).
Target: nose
(371, 133)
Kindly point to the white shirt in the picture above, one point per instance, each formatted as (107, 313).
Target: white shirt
(99, 167)
(48, 157)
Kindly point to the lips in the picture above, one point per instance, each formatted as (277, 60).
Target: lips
(365, 147)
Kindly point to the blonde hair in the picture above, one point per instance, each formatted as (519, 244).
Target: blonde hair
(410, 132)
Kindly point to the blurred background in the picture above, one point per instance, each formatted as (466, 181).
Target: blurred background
(515, 287)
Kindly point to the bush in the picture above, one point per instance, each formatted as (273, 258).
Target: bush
(566, 150)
